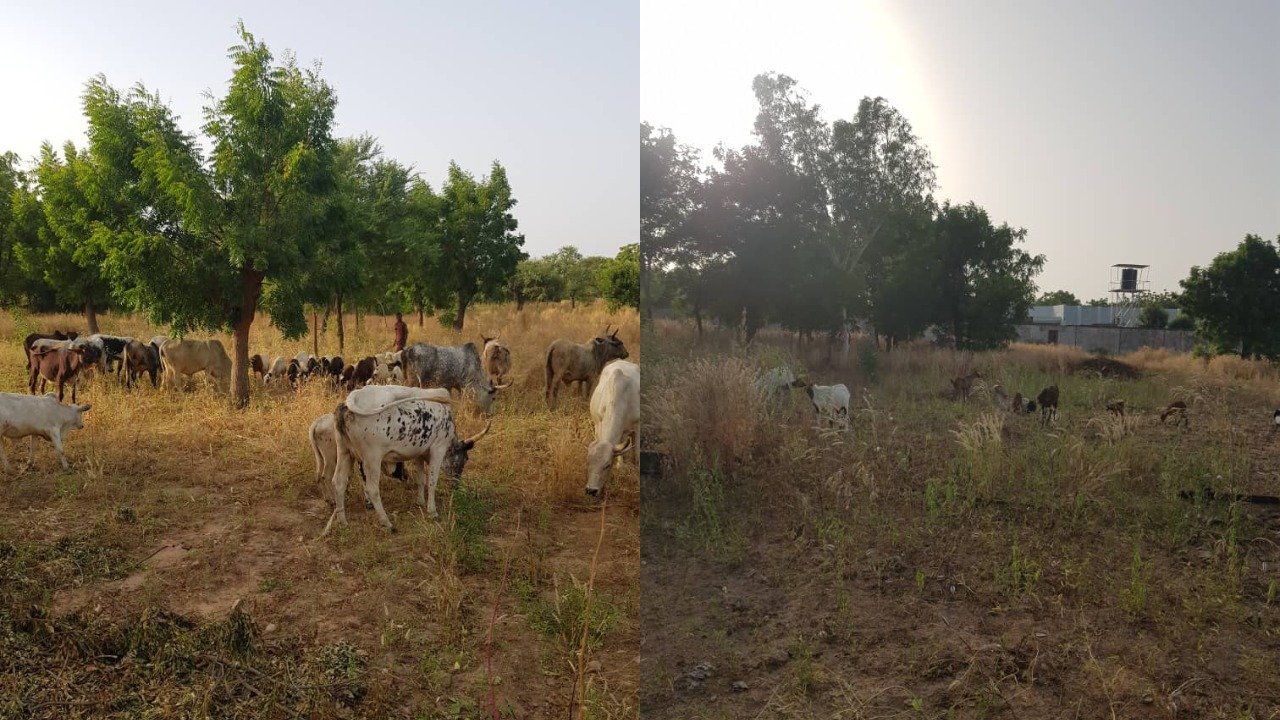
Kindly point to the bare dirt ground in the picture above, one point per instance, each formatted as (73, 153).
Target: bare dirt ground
(175, 571)
(951, 561)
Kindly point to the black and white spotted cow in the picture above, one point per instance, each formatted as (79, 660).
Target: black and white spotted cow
(391, 423)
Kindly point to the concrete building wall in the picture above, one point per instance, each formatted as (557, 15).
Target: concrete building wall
(1114, 340)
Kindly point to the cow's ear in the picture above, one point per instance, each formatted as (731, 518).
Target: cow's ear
(84, 408)
(599, 341)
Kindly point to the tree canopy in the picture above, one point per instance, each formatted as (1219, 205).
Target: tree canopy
(1233, 299)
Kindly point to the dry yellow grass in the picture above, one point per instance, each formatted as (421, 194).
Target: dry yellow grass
(236, 490)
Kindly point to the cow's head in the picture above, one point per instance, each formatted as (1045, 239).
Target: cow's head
(608, 347)
(78, 422)
(486, 391)
(600, 457)
(456, 460)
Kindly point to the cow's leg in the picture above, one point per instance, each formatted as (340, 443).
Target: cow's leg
(61, 385)
(437, 459)
(341, 474)
(422, 482)
(372, 474)
(4, 459)
(553, 392)
(55, 437)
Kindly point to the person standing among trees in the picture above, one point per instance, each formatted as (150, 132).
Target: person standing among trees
(402, 332)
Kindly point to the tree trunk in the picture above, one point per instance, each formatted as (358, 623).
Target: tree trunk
(519, 299)
(342, 335)
(463, 301)
(91, 316)
(315, 333)
(250, 289)
(422, 315)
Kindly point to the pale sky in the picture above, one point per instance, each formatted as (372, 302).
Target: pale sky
(548, 89)
(1137, 132)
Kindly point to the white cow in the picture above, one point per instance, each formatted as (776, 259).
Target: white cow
(831, 402)
(615, 411)
(391, 423)
(183, 358)
(25, 416)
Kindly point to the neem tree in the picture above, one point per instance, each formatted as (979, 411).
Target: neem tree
(217, 238)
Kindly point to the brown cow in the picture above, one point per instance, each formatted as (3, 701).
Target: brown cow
(61, 365)
(569, 362)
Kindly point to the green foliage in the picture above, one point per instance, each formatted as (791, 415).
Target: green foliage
(1058, 297)
(812, 224)
(1182, 322)
(620, 278)
(1233, 299)
(1153, 316)
(477, 250)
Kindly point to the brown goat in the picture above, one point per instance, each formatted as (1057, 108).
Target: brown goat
(962, 387)
(60, 365)
(1178, 411)
(1116, 407)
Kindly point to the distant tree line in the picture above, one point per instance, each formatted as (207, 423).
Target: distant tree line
(814, 224)
(269, 213)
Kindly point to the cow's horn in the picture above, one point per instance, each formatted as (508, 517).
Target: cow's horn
(502, 387)
(620, 449)
(472, 440)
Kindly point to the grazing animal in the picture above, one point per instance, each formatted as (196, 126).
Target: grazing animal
(278, 368)
(324, 444)
(777, 380)
(345, 378)
(377, 424)
(388, 368)
(831, 403)
(1116, 407)
(332, 369)
(962, 387)
(183, 358)
(1021, 404)
(31, 339)
(22, 416)
(362, 373)
(452, 368)
(138, 359)
(615, 412)
(258, 364)
(61, 365)
(112, 350)
(1178, 411)
(999, 396)
(1048, 401)
(496, 358)
(1275, 421)
(569, 362)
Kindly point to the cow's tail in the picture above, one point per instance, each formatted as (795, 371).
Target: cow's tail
(550, 369)
(340, 418)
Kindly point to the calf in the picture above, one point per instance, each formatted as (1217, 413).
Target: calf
(61, 365)
(1048, 401)
(615, 412)
(831, 403)
(22, 416)
(569, 362)
(377, 424)
(138, 359)
(496, 359)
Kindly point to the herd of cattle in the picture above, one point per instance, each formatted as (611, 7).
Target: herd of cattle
(398, 407)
